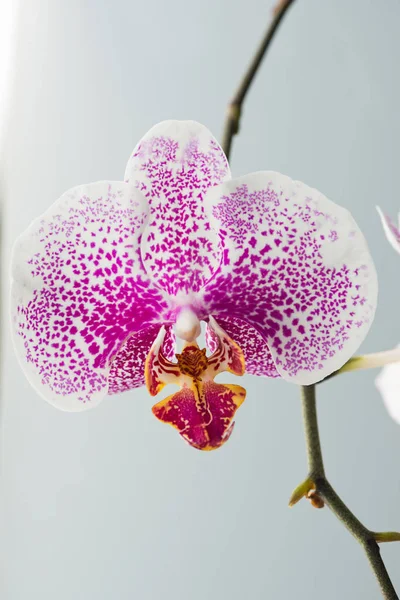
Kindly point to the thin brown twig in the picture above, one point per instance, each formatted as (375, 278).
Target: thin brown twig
(234, 109)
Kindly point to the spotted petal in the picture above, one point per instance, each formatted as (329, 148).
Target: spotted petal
(174, 165)
(258, 358)
(227, 354)
(80, 290)
(128, 367)
(159, 370)
(202, 413)
(296, 267)
(391, 230)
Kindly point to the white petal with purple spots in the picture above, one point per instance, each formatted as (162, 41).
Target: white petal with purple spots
(127, 369)
(80, 289)
(174, 165)
(257, 355)
(296, 267)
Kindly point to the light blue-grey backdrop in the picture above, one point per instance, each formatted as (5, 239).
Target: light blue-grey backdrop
(111, 504)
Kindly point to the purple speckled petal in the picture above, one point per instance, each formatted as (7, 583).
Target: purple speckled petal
(127, 369)
(174, 165)
(296, 267)
(391, 230)
(80, 289)
(258, 358)
(203, 414)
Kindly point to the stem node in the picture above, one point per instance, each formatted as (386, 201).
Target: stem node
(325, 492)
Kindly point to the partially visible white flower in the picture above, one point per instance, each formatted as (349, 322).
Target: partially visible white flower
(388, 380)
(388, 384)
(391, 229)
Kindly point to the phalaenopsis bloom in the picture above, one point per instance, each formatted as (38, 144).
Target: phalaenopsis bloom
(391, 229)
(115, 273)
(388, 380)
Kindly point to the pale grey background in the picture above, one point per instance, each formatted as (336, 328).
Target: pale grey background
(111, 504)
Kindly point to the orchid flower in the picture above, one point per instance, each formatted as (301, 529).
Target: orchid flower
(388, 385)
(388, 380)
(391, 230)
(115, 273)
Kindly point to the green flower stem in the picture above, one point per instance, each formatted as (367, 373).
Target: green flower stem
(367, 361)
(371, 361)
(314, 453)
(234, 109)
(368, 539)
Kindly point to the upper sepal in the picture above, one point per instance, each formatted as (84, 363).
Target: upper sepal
(174, 165)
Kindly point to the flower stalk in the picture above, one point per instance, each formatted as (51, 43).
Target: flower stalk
(234, 109)
(374, 360)
(318, 481)
(370, 361)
